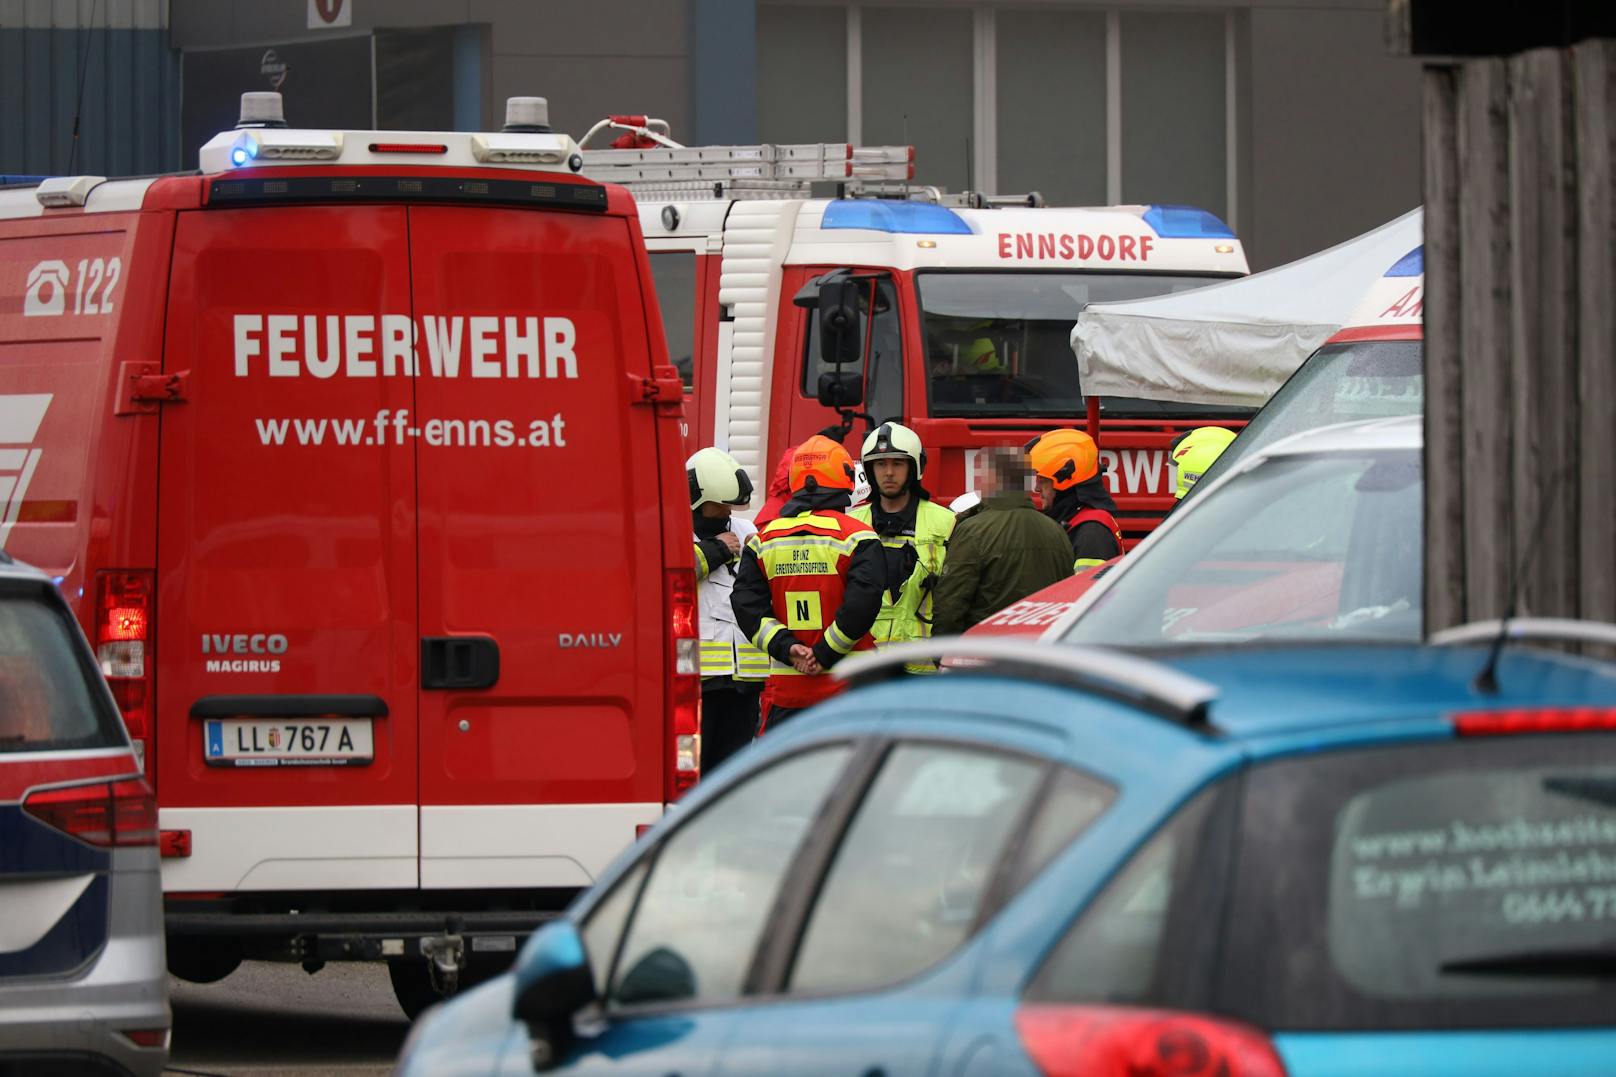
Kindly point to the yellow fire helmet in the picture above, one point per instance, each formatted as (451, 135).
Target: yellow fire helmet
(1195, 452)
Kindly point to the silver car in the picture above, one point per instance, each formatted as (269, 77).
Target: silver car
(82, 981)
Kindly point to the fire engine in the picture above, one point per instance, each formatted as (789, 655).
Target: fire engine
(359, 456)
(958, 308)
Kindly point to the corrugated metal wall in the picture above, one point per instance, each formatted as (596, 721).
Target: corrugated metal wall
(119, 50)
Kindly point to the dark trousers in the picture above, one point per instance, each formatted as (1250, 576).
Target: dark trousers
(729, 718)
(778, 716)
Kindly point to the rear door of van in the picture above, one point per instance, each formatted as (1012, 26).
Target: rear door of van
(543, 637)
(287, 677)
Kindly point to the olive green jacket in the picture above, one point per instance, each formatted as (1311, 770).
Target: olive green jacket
(997, 556)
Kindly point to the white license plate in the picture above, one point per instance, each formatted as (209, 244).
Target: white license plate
(287, 742)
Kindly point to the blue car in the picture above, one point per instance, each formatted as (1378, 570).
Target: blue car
(1244, 862)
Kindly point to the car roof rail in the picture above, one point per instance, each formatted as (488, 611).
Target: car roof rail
(1543, 629)
(1139, 682)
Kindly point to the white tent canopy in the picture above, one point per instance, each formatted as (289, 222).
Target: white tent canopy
(1237, 342)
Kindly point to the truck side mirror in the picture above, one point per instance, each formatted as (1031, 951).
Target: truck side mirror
(839, 390)
(839, 321)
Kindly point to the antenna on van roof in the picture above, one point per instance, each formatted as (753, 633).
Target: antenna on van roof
(78, 105)
(1487, 680)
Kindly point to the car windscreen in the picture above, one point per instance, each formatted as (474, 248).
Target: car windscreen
(1339, 383)
(1444, 885)
(1307, 547)
(49, 698)
(999, 344)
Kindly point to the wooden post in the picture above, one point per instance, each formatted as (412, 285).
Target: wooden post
(1543, 339)
(1594, 66)
(1484, 338)
(1444, 384)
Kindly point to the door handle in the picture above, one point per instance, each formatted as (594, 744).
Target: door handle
(459, 662)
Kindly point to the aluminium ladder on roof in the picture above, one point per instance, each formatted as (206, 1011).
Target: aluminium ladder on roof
(767, 163)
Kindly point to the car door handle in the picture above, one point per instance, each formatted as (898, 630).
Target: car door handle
(459, 662)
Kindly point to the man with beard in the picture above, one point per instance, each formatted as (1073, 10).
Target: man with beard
(913, 530)
(1067, 465)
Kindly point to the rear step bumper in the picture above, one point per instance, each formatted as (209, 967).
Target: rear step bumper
(362, 923)
(361, 936)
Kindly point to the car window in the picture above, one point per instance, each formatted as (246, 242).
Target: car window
(1070, 806)
(49, 698)
(908, 880)
(714, 881)
(674, 273)
(1339, 383)
(1113, 952)
(604, 928)
(1322, 547)
(1462, 884)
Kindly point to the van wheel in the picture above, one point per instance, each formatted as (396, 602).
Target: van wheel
(202, 963)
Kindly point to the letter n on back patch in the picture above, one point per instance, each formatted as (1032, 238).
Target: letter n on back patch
(802, 610)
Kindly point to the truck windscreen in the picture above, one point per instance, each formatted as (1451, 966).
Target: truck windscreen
(999, 343)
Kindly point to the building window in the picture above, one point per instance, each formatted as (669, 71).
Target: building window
(802, 73)
(918, 68)
(1051, 105)
(1173, 120)
(1087, 106)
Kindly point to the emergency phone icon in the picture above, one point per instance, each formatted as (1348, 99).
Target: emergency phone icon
(47, 289)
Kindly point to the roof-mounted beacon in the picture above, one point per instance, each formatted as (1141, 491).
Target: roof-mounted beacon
(262, 137)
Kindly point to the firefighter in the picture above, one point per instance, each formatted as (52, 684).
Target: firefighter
(810, 583)
(1067, 465)
(1196, 451)
(1002, 552)
(913, 529)
(732, 670)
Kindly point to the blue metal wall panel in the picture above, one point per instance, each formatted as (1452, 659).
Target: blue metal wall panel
(129, 120)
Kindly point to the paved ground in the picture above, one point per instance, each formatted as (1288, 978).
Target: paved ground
(267, 1019)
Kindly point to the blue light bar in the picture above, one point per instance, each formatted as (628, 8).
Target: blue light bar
(887, 215)
(1411, 264)
(1186, 222)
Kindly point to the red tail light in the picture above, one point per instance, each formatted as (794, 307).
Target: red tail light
(1115, 1041)
(107, 814)
(1535, 720)
(146, 1037)
(684, 684)
(123, 646)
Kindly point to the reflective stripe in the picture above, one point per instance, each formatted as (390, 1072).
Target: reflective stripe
(786, 523)
(702, 571)
(768, 628)
(1087, 562)
(717, 658)
(838, 640)
(754, 664)
(720, 658)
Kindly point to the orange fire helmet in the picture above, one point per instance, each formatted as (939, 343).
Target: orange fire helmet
(1064, 457)
(825, 462)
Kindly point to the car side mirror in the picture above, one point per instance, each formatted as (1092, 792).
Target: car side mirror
(838, 390)
(553, 982)
(839, 321)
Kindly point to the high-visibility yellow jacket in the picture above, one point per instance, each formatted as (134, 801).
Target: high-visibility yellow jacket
(908, 616)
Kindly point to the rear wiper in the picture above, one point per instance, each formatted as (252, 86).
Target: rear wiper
(1575, 961)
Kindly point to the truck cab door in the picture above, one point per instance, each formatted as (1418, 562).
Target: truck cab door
(882, 348)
